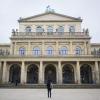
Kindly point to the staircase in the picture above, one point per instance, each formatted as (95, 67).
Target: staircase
(56, 86)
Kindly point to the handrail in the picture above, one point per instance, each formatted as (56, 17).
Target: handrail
(49, 34)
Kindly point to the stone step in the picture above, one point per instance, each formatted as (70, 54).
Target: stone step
(57, 86)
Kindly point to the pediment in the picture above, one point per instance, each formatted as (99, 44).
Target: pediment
(50, 17)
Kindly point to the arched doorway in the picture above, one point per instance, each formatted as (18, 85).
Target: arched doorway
(50, 73)
(86, 74)
(15, 72)
(32, 74)
(68, 74)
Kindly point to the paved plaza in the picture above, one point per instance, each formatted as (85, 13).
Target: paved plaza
(57, 94)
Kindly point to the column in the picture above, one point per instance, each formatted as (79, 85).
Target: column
(43, 49)
(59, 73)
(71, 48)
(11, 49)
(78, 72)
(97, 72)
(41, 78)
(23, 73)
(29, 50)
(57, 49)
(85, 48)
(0, 71)
(89, 48)
(4, 76)
(15, 48)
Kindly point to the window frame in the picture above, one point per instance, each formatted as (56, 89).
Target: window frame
(49, 51)
(22, 51)
(71, 28)
(60, 29)
(36, 51)
(28, 29)
(63, 51)
(39, 29)
(50, 28)
(78, 51)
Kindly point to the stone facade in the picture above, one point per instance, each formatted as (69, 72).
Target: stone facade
(50, 46)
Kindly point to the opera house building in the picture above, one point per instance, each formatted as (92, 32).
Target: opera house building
(50, 46)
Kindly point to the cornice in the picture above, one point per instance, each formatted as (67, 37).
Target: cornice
(51, 21)
(46, 13)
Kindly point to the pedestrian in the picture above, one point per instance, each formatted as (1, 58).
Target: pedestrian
(16, 82)
(49, 88)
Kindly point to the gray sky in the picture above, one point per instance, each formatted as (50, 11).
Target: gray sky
(11, 10)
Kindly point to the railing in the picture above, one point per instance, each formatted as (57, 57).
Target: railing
(50, 34)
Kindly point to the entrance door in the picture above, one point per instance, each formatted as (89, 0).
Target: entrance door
(32, 74)
(50, 73)
(15, 72)
(68, 74)
(86, 74)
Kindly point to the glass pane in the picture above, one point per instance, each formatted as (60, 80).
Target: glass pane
(36, 51)
(71, 29)
(60, 29)
(49, 51)
(63, 51)
(28, 29)
(21, 51)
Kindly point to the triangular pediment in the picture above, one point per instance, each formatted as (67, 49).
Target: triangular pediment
(50, 17)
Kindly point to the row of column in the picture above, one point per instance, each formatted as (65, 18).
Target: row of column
(3, 75)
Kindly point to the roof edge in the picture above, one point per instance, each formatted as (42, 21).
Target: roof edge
(23, 19)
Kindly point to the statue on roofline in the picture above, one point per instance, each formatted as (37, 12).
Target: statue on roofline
(48, 9)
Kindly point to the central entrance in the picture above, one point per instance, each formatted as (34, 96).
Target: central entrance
(68, 74)
(50, 73)
(32, 74)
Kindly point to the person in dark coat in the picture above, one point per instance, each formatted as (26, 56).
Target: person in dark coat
(49, 87)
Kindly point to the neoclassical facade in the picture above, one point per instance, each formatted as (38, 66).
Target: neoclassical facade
(50, 46)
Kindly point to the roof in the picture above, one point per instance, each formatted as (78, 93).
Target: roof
(4, 44)
(95, 44)
(53, 13)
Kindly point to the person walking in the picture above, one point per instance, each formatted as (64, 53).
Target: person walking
(49, 87)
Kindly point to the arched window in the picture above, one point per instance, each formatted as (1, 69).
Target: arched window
(50, 29)
(39, 29)
(60, 29)
(49, 51)
(72, 29)
(63, 51)
(21, 51)
(36, 51)
(28, 29)
(78, 51)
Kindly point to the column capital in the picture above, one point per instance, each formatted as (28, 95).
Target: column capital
(23, 62)
(78, 62)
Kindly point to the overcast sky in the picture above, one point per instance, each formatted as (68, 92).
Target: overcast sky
(11, 10)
